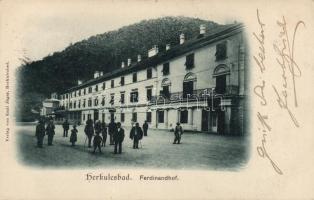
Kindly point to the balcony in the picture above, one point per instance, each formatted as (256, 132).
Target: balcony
(197, 95)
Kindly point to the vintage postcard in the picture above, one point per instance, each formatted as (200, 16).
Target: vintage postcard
(156, 99)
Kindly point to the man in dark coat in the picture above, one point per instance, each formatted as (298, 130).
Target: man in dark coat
(104, 132)
(145, 128)
(177, 133)
(118, 138)
(97, 127)
(40, 133)
(50, 131)
(89, 131)
(97, 142)
(112, 129)
(66, 127)
(136, 135)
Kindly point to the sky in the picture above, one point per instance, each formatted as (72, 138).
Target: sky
(35, 30)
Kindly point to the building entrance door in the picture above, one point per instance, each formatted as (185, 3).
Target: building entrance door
(96, 115)
(221, 122)
(205, 120)
(111, 116)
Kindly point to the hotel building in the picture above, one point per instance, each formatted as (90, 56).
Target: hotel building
(200, 83)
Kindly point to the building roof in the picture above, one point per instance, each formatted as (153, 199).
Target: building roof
(51, 100)
(214, 35)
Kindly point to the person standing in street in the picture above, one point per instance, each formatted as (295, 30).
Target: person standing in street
(97, 142)
(145, 128)
(104, 133)
(177, 133)
(73, 137)
(89, 131)
(112, 129)
(50, 131)
(40, 133)
(97, 127)
(118, 138)
(136, 135)
(66, 127)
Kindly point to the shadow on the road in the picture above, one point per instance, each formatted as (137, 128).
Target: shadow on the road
(77, 147)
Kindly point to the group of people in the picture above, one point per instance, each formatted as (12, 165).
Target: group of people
(41, 131)
(115, 132)
(49, 130)
(96, 133)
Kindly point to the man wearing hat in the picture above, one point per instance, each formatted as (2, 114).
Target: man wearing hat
(136, 135)
(40, 133)
(89, 131)
(50, 131)
(177, 133)
(66, 127)
(118, 138)
(112, 128)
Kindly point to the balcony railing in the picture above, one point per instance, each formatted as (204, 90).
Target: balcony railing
(197, 95)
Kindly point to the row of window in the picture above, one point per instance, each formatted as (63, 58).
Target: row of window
(112, 85)
(183, 116)
(122, 116)
(221, 53)
(160, 116)
(134, 97)
(188, 89)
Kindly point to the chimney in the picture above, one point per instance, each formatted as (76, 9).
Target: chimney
(182, 38)
(101, 74)
(96, 74)
(139, 58)
(129, 61)
(122, 65)
(202, 29)
(79, 82)
(167, 47)
(153, 51)
(54, 95)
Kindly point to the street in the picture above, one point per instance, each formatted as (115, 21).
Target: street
(197, 151)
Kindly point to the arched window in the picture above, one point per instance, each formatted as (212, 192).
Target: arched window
(188, 85)
(221, 70)
(165, 84)
(220, 73)
(190, 77)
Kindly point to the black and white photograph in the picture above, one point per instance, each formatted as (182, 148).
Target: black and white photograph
(156, 99)
(165, 92)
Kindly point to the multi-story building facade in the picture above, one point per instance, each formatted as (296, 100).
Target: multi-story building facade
(50, 105)
(200, 83)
